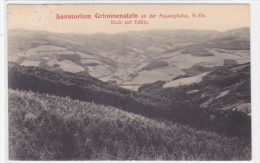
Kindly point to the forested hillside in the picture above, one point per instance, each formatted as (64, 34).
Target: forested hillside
(46, 127)
(224, 88)
(176, 109)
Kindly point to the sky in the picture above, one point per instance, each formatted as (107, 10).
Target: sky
(43, 17)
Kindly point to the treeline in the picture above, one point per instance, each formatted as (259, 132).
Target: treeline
(150, 87)
(89, 89)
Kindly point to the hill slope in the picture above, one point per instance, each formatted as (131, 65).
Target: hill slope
(177, 109)
(45, 127)
(223, 88)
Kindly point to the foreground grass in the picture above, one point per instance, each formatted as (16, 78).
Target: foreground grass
(45, 127)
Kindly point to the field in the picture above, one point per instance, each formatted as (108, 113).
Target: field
(45, 127)
(157, 53)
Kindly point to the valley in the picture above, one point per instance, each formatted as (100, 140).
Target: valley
(129, 59)
(147, 95)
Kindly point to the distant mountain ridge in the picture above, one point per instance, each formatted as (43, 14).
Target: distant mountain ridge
(116, 57)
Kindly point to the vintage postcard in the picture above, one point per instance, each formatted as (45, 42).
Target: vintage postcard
(129, 82)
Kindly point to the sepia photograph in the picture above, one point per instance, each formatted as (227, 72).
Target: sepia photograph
(129, 82)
